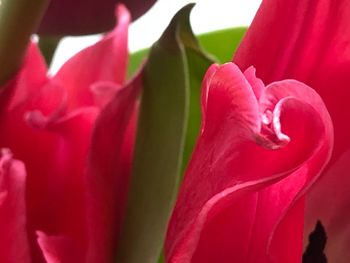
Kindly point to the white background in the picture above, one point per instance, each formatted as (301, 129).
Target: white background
(207, 15)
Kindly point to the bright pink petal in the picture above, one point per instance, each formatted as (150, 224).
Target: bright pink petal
(109, 169)
(243, 188)
(105, 61)
(29, 79)
(256, 83)
(26, 143)
(25, 129)
(13, 238)
(62, 192)
(56, 151)
(309, 41)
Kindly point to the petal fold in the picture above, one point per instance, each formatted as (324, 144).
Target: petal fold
(109, 167)
(242, 190)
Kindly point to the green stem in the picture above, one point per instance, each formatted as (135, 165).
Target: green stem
(48, 45)
(18, 21)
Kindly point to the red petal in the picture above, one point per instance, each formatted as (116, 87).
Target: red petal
(54, 145)
(29, 79)
(104, 92)
(64, 184)
(56, 152)
(13, 239)
(109, 170)
(58, 249)
(309, 41)
(329, 203)
(239, 197)
(105, 61)
(256, 83)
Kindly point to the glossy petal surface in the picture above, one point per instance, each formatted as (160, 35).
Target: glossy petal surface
(255, 158)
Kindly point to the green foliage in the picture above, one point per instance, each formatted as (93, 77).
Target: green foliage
(223, 43)
(220, 44)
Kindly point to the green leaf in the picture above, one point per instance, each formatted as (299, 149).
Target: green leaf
(160, 143)
(221, 44)
(135, 60)
(198, 63)
(48, 45)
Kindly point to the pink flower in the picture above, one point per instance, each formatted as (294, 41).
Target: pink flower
(260, 149)
(70, 136)
(310, 41)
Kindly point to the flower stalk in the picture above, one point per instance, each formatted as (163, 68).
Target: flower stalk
(18, 21)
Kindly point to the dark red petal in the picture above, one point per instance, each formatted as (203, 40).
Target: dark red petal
(243, 188)
(13, 238)
(108, 171)
(105, 61)
(83, 17)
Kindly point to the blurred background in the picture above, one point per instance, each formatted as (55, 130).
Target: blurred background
(207, 15)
